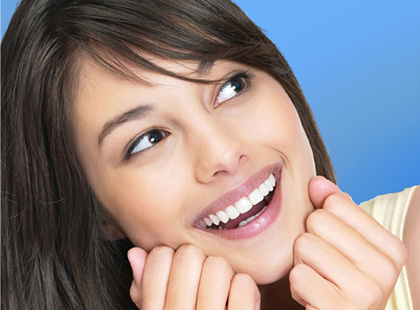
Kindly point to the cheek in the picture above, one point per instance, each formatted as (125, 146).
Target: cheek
(284, 133)
(278, 126)
(147, 204)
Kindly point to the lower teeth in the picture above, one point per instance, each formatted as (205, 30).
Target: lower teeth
(250, 219)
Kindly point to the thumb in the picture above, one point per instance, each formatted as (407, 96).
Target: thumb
(319, 189)
(137, 258)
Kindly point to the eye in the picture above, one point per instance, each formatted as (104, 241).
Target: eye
(232, 87)
(146, 141)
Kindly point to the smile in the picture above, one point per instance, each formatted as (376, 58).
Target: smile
(244, 211)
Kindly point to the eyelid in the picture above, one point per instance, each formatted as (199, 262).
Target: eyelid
(126, 153)
(247, 75)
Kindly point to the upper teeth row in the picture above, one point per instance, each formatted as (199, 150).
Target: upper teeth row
(243, 205)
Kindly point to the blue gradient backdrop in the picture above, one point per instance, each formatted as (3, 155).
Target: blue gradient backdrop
(358, 63)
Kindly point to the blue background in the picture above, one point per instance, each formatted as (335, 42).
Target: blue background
(358, 63)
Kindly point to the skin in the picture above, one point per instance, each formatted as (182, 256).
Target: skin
(204, 169)
(177, 266)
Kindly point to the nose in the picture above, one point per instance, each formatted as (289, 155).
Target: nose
(220, 152)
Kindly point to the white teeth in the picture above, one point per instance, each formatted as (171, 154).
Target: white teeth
(242, 223)
(264, 189)
(222, 216)
(256, 196)
(208, 221)
(214, 219)
(272, 179)
(262, 210)
(243, 205)
(232, 212)
(268, 184)
(251, 218)
(202, 223)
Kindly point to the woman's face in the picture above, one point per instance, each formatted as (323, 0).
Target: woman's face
(167, 157)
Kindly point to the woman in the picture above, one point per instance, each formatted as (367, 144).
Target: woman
(176, 127)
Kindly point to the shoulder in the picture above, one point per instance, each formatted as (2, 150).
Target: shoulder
(390, 210)
(411, 239)
(400, 214)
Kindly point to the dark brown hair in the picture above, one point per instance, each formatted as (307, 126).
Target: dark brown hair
(52, 253)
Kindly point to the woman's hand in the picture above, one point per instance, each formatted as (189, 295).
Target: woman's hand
(187, 279)
(345, 260)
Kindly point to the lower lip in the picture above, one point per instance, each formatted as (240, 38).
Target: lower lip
(258, 225)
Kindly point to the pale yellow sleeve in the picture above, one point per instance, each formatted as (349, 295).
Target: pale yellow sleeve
(390, 211)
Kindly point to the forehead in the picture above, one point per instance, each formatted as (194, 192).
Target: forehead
(103, 94)
(122, 70)
(93, 74)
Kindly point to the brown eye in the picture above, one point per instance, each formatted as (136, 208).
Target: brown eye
(231, 88)
(146, 141)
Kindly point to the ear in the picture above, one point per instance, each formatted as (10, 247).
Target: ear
(111, 232)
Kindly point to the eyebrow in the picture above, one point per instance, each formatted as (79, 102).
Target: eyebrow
(130, 115)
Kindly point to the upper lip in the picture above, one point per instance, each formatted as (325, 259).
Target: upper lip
(243, 190)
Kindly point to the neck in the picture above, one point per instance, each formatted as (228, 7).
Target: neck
(277, 296)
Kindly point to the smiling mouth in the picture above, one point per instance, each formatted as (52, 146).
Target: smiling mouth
(244, 211)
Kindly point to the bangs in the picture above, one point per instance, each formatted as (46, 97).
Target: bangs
(124, 62)
(119, 35)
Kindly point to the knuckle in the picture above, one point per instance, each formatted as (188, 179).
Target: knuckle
(347, 196)
(244, 283)
(190, 251)
(244, 280)
(302, 243)
(315, 219)
(296, 274)
(374, 296)
(135, 295)
(161, 252)
(390, 272)
(336, 203)
(334, 199)
(217, 263)
(399, 252)
(370, 294)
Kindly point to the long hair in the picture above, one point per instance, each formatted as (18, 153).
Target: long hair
(53, 256)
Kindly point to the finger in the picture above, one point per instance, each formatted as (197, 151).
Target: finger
(367, 226)
(319, 189)
(215, 282)
(155, 278)
(326, 195)
(327, 262)
(311, 290)
(352, 245)
(137, 258)
(244, 293)
(184, 278)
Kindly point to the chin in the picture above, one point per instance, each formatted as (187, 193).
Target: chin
(267, 268)
(271, 274)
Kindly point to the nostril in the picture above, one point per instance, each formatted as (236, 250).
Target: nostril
(219, 155)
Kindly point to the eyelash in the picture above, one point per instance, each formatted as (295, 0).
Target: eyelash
(163, 134)
(243, 77)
